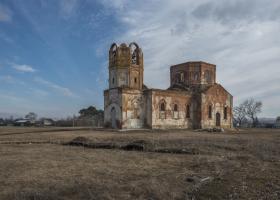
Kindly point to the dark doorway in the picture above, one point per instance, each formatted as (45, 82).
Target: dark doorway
(218, 119)
(113, 118)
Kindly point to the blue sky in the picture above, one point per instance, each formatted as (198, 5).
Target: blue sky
(53, 53)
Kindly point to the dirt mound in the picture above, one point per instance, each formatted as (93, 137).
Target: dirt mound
(192, 151)
(138, 145)
(79, 141)
(85, 142)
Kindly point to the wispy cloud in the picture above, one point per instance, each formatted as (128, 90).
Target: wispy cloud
(60, 89)
(115, 4)
(39, 92)
(5, 14)
(23, 68)
(11, 80)
(6, 38)
(11, 97)
(68, 7)
(7, 79)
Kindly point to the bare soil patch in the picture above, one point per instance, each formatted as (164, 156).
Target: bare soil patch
(229, 165)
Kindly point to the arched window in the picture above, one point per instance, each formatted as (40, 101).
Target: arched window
(225, 113)
(188, 111)
(175, 111)
(134, 57)
(182, 77)
(175, 107)
(179, 77)
(196, 76)
(207, 76)
(113, 49)
(134, 52)
(162, 108)
(210, 112)
(113, 81)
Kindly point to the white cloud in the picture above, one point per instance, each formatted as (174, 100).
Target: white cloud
(60, 89)
(241, 38)
(5, 14)
(23, 68)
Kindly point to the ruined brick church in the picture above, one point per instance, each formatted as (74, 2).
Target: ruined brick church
(193, 100)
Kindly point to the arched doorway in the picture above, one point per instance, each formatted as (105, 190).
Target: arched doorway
(113, 118)
(218, 119)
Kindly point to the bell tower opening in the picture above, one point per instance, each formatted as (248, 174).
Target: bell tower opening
(134, 52)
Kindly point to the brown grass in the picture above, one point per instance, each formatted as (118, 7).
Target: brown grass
(240, 165)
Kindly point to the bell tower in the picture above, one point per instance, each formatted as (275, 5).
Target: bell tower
(126, 66)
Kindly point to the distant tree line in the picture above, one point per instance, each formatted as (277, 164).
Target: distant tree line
(90, 116)
(87, 117)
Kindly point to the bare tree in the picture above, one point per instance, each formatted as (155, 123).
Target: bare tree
(31, 116)
(252, 108)
(239, 114)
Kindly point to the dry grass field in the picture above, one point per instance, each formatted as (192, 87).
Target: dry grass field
(35, 164)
